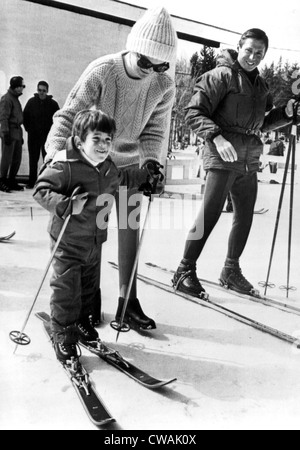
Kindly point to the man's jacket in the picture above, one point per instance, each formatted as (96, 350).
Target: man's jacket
(38, 116)
(226, 102)
(11, 116)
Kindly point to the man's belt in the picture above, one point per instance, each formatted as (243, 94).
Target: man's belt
(246, 131)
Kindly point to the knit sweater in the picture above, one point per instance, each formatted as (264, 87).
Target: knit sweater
(140, 108)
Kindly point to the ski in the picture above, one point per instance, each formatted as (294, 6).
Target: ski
(267, 301)
(114, 358)
(80, 379)
(257, 212)
(8, 237)
(218, 308)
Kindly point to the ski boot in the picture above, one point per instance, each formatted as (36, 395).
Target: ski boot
(186, 281)
(135, 316)
(86, 330)
(65, 343)
(233, 278)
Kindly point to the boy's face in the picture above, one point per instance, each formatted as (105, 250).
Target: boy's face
(97, 146)
(251, 54)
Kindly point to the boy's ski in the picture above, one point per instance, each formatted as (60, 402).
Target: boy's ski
(82, 384)
(221, 309)
(8, 237)
(267, 301)
(114, 358)
(258, 212)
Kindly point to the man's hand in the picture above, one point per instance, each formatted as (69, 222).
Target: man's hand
(225, 149)
(289, 110)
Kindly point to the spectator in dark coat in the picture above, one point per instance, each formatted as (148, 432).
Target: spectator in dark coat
(11, 119)
(277, 147)
(38, 114)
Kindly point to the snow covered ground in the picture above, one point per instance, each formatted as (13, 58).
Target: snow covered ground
(230, 376)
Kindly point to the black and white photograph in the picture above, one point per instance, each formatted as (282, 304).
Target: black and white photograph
(149, 218)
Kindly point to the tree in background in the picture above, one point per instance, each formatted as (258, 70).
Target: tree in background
(203, 62)
(186, 75)
(283, 81)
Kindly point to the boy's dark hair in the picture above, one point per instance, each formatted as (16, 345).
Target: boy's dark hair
(43, 83)
(255, 33)
(92, 120)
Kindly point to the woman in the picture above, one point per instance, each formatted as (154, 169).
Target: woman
(135, 89)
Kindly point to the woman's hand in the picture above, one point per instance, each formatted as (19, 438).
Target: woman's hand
(225, 149)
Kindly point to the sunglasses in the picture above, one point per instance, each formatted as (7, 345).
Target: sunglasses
(21, 86)
(42, 90)
(144, 63)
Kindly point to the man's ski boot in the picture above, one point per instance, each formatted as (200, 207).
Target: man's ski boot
(65, 343)
(186, 281)
(86, 330)
(233, 278)
(135, 316)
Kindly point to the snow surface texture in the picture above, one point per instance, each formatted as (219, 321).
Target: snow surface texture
(230, 376)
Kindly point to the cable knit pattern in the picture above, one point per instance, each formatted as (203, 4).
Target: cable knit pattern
(140, 108)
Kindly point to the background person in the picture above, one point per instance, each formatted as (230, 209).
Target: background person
(11, 120)
(38, 114)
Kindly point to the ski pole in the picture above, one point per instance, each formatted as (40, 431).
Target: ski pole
(19, 337)
(121, 326)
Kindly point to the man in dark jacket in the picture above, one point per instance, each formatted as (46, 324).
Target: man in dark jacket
(38, 114)
(230, 108)
(11, 119)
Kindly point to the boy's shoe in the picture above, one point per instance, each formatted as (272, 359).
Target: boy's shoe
(86, 331)
(186, 281)
(135, 316)
(65, 343)
(233, 278)
(4, 186)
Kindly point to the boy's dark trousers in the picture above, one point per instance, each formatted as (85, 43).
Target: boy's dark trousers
(243, 189)
(75, 281)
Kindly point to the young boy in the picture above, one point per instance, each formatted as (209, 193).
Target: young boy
(76, 279)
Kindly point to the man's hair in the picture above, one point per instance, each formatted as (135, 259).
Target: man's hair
(43, 83)
(255, 33)
(92, 120)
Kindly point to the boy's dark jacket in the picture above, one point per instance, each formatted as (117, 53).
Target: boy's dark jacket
(56, 184)
(226, 102)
